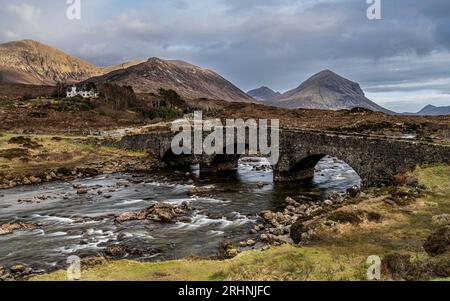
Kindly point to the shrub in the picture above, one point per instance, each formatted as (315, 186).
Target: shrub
(438, 242)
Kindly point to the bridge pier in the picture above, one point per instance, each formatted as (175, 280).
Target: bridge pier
(376, 159)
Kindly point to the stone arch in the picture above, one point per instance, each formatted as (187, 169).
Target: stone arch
(172, 160)
(226, 161)
(303, 167)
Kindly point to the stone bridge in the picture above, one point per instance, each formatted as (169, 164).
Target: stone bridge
(375, 159)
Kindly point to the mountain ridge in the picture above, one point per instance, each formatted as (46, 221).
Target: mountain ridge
(31, 62)
(188, 80)
(264, 94)
(327, 90)
(431, 110)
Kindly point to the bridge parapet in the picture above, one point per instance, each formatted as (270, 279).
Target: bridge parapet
(375, 159)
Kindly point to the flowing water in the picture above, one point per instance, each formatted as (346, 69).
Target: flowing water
(230, 213)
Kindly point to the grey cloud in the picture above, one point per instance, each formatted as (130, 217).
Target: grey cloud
(278, 43)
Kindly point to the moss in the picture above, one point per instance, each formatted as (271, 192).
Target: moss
(345, 217)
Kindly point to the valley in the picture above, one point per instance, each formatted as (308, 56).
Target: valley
(89, 176)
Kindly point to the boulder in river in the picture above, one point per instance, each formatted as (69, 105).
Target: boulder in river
(10, 228)
(161, 212)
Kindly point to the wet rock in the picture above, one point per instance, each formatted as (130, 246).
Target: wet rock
(335, 197)
(82, 191)
(438, 242)
(126, 216)
(290, 208)
(122, 236)
(88, 171)
(64, 171)
(291, 201)
(353, 191)
(34, 180)
(199, 191)
(275, 219)
(328, 202)
(161, 212)
(296, 232)
(20, 270)
(10, 228)
(228, 249)
(251, 243)
(5, 275)
(121, 251)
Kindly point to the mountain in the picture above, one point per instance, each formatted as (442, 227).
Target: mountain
(329, 91)
(434, 111)
(30, 62)
(264, 94)
(189, 81)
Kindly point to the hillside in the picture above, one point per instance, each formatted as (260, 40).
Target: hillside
(264, 94)
(189, 81)
(31, 62)
(329, 91)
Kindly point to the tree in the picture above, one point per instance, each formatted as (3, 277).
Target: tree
(60, 90)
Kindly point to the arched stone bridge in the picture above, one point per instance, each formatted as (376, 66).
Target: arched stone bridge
(375, 159)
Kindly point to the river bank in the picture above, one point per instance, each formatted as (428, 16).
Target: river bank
(156, 216)
(399, 225)
(36, 159)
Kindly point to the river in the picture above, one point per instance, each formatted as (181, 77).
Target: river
(231, 212)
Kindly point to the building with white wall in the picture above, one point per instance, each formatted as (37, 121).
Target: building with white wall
(73, 92)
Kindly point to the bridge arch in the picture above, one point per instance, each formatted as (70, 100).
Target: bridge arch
(306, 168)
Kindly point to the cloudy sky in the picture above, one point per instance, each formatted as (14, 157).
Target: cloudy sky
(402, 61)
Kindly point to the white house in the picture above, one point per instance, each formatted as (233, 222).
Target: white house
(73, 91)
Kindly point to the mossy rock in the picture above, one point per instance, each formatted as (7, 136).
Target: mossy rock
(345, 217)
(297, 229)
(439, 242)
(228, 249)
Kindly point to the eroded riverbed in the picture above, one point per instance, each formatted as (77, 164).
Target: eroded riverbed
(83, 225)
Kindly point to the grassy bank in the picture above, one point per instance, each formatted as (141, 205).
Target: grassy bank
(40, 156)
(337, 253)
